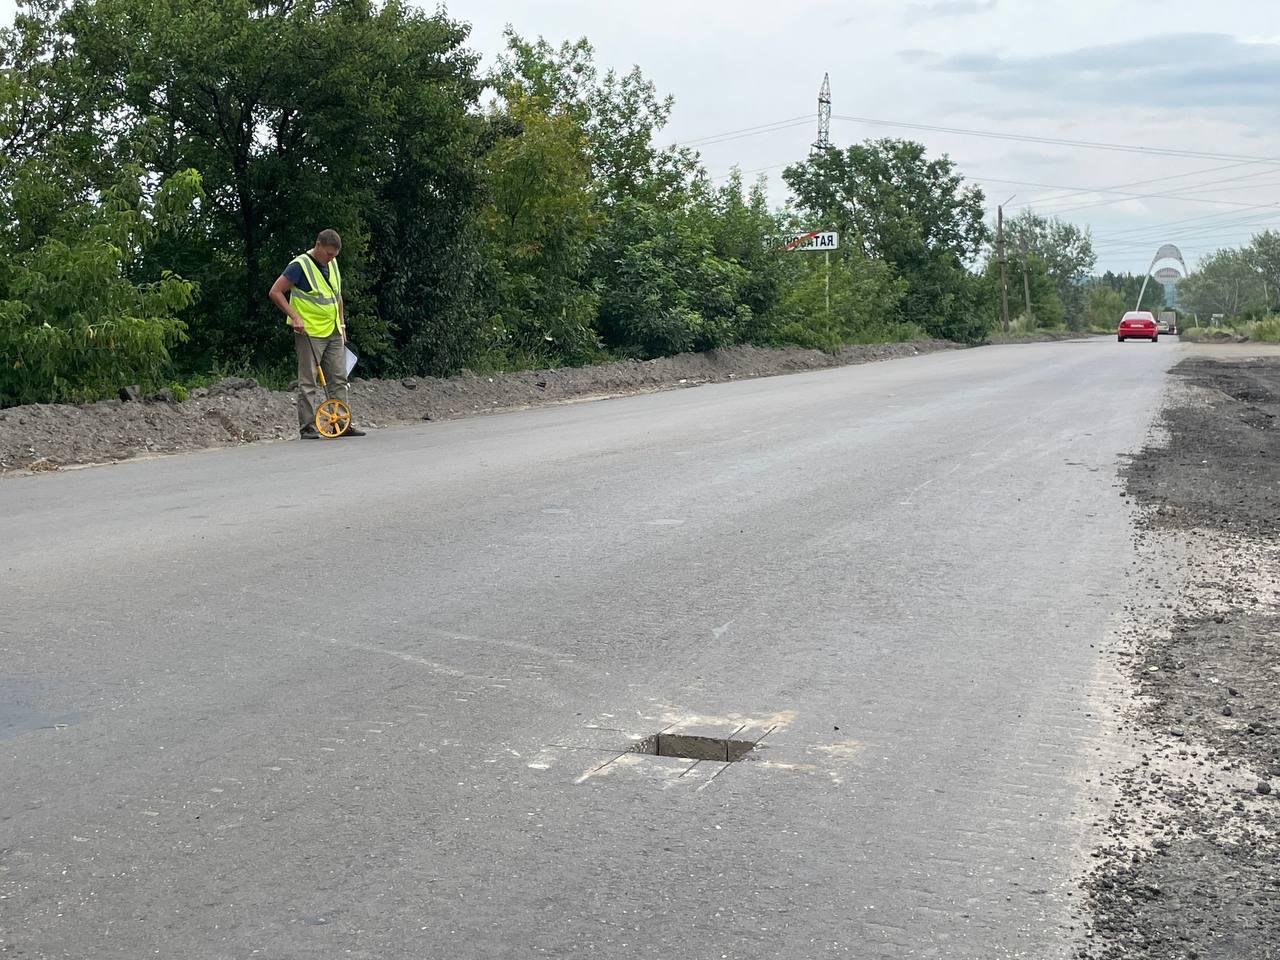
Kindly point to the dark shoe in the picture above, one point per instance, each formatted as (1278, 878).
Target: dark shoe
(352, 431)
(308, 433)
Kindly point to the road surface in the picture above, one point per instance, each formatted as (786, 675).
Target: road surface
(374, 698)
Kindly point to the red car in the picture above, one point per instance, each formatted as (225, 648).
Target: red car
(1138, 323)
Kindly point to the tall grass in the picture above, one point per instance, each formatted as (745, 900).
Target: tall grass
(1266, 331)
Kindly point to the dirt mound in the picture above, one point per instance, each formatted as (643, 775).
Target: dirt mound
(1212, 335)
(47, 436)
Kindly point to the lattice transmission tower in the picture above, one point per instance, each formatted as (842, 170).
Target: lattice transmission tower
(824, 115)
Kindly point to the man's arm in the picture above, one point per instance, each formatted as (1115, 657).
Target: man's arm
(279, 289)
(342, 319)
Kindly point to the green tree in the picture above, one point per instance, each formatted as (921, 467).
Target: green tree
(80, 315)
(1224, 282)
(1263, 254)
(1032, 277)
(1105, 307)
(744, 230)
(863, 296)
(74, 324)
(342, 113)
(665, 291)
(675, 263)
(539, 222)
(1065, 252)
(1130, 286)
(911, 211)
(621, 115)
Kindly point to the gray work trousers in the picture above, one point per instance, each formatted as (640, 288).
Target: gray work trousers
(333, 360)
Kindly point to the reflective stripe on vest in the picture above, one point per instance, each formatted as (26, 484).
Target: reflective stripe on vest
(318, 307)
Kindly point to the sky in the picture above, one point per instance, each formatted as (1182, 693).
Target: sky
(991, 83)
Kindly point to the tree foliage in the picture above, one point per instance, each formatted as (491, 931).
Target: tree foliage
(1224, 282)
(540, 216)
(334, 113)
(1062, 252)
(74, 323)
(1263, 254)
(914, 213)
(1105, 307)
(1036, 293)
(1131, 286)
(80, 313)
(164, 159)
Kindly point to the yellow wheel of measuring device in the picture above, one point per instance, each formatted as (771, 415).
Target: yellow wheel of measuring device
(332, 418)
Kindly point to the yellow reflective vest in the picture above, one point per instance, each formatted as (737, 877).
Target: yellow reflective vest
(319, 306)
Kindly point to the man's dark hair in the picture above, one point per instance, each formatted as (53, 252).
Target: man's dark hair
(329, 238)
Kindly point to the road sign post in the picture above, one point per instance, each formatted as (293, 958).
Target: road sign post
(816, 240)
(828, 288)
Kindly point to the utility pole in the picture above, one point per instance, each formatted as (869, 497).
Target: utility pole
(1026, 284)
(827, 254)
(1004, 276)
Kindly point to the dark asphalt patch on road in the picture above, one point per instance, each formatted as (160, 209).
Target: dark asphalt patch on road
(1189, 870)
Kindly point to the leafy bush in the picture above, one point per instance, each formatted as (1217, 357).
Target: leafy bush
(663, 288)
(73, 325)
(864, 303)
(1104, 307)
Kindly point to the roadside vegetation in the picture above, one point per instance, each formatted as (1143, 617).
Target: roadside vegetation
(1235, 293)
(1259, 331)
(160, 161)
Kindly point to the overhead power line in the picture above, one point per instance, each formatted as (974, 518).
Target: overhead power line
(1206, 221)
(1121, 193)
(1232, 231)
(1173, 196)
(745, 132)
(1188, 187)
(1076, 192)
(1250, 228)
(1058, 141)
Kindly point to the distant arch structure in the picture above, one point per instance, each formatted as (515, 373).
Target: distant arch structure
(1174, 269)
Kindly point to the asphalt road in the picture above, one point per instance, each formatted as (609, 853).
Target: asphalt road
(373, 698)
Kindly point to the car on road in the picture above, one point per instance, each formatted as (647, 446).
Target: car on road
(1167, 322)
(1138, 324)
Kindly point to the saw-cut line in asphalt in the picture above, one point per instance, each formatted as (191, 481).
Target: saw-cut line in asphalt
(699, 749)
(754, 746)
(615, 758)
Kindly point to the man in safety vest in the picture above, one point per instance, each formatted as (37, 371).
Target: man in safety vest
(309, 293)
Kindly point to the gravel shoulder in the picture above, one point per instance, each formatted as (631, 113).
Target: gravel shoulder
(1188, 867)
(44, 437)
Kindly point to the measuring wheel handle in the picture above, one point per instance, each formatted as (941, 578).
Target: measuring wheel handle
(333, 417)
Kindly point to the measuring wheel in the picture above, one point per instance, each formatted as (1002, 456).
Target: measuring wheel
(332, 418)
